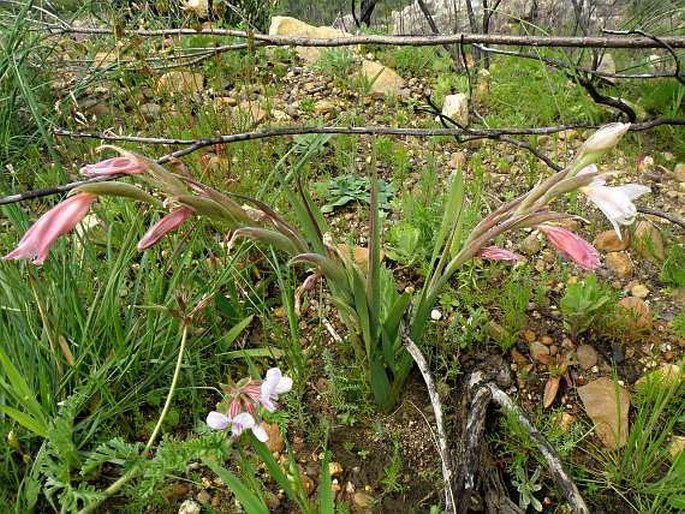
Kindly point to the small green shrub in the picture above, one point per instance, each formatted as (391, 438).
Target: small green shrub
(583, 302)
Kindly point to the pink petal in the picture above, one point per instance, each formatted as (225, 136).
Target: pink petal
(493, 253)
(113, 166)
(59, 220)
(572, 245)
(168, 223)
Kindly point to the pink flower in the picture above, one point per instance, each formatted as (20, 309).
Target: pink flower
(493, 253)
(274, 385)
(572, 245)
(113, 166)
(59, 220)
(238, 423)
(615, 202)
(168, 223)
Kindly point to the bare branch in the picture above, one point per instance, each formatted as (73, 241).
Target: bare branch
(375, 39)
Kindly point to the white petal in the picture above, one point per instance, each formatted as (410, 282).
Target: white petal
(244, 419)
(633, 191)
(592, 168)
(218, 421)
(284, 385)
(260, 433)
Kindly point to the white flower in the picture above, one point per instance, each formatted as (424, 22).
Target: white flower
(606, 137)
(219, 421)
(615, 202)
(274, 384)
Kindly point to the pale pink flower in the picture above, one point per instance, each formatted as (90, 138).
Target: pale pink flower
(493, 253)
(218, 421)
(59, 220)
(168, 223)
(615, 202)
(572, 245)
(114, 166)
(274, 385)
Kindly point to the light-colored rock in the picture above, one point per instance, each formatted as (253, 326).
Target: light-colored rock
(204, 497)
(648, 241)
(608, 241)
(199, 8)
(150, 111)
(189, 507)
(676, 446)
(383, 80)
(456, 107)
(180, 82)
(639, 291)
(635, 313)
(586, 356)
(362, 502)
(358, 254)
(457, 160)
(607, 405)
(667, 375)
(619, 263)
(324, 107)
(335, 469)
(530, 245)
(253, 111)
(539, 352)
(679, 172)
(288, 26)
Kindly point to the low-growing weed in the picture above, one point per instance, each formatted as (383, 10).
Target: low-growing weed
(583, 303)
(673, 269)
(341, 190)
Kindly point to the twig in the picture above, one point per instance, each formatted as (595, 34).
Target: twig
(192, 145)
(443, 448)
(677, 220)
(375, 39)
(557, 63)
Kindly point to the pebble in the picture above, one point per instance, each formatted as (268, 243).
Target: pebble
(530, 245)
(203, 497)
(619, 263)
(587, 356)
(639, 291)
(539, 352)
(436, 315)
(636, 313)
(189, 507)
(362, 501)
(648, 241)
(608, 241)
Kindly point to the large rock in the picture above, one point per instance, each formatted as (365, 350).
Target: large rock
(287, 26)
(180, 82)
(648, 241)
(607, 405)
(383, 80)
(456, 107)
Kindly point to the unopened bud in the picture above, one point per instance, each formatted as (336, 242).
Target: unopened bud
(599, 143)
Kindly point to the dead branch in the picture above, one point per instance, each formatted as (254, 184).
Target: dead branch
(192, 145)
(677, 220)
(375, 39)
(443, 447)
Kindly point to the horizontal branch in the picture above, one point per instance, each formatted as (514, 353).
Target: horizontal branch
(192, 145)
(375, 39)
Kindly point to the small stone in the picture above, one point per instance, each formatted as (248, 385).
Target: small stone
(539, 352)
(676, 446)
(547, 340)
(436, 315)
(648, 241)
(324, 107)
(639, 291)
(189, 507)
(636, 313)
(456, 107)
(608, 241)
(679, 172)
(335, 469)
(384, 81)
(362, 502)
(204, 497)
(667, 375)
(457, 160)
(619, 263)
(275, 442)
(180, 82)
(607, 405)
(150, 111)
(587, 356)
(530, 245)
(529, 336)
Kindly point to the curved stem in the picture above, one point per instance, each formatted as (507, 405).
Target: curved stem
(132, 473)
